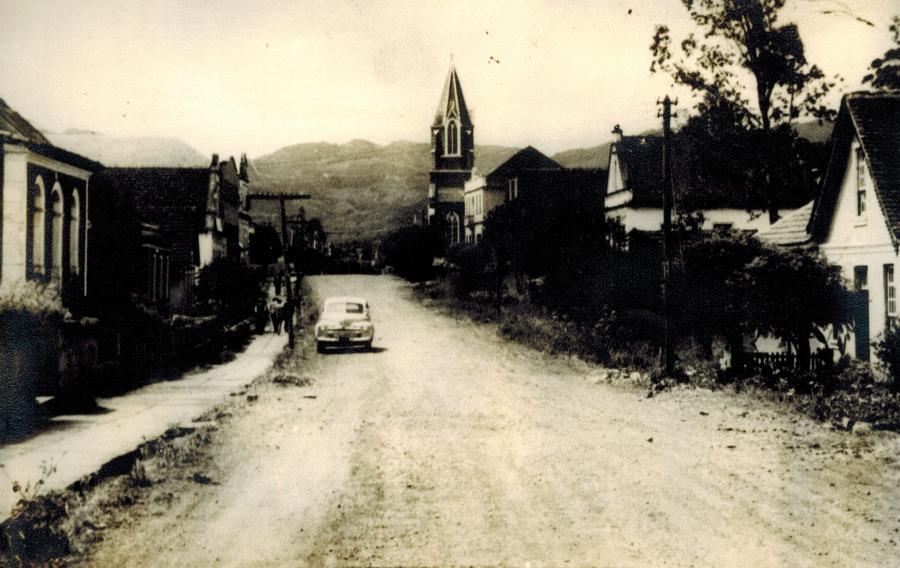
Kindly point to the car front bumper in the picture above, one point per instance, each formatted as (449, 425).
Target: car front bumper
(345, 337)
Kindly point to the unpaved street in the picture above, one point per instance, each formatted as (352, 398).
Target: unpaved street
(449, 446)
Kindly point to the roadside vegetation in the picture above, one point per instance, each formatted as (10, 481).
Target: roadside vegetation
(59, 528)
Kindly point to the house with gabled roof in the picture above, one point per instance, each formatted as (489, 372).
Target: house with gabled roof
(188, 217)
(532, 177)
(855, 221)
(45, 204)
(634, 189)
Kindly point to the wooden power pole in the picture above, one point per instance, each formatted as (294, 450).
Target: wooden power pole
(289, 305)
(668, 199)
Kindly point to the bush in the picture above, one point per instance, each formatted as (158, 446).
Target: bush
(888, 351)
(228, 290)
(469, 270)
(411, 251)
(30, 313)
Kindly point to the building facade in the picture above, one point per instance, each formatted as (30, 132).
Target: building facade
(453, 157)
(634, 190)
(44, 228)
(856, 220)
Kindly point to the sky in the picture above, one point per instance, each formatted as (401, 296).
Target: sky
(234, 76)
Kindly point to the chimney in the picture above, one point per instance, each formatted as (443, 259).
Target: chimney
(617, 134)
(215, 161)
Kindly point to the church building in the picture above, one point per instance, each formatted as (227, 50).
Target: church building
(453, 157)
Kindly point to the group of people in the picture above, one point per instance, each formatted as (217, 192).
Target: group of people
(272, 311)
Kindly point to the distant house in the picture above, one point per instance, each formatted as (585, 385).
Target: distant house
(528, 176)
(634, 190)
(856, 220)
(45, 201)
(187, 217)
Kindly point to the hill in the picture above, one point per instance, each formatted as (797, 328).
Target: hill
(127, 152)
(360, 189)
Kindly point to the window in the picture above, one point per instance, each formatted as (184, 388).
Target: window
(75, 233)
(860, 181)
(56, 230)
(452, 138)
(860, 278)
(890, 291)
(38, 226)
(513, 191)
(453, 228)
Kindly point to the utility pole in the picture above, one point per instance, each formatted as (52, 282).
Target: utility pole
(289, 305)
(668, 199)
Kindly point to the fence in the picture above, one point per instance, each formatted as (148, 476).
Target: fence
(777, 363)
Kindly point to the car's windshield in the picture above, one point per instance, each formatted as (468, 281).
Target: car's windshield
(344, 307)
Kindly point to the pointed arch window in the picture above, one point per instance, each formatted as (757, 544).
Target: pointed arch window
(56, 233)
(452, 145)
(453, 226)
(74, 232)
(38, 225)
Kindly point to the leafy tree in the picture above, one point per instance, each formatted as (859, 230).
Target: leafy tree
(228, 289)
(412, 250)
(793, 294)
(265, 245)
(741, 37)
(884, 72)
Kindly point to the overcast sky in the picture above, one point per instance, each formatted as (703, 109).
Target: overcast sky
(252, 75)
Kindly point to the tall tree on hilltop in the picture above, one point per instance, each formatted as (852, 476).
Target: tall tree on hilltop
(740, 39)
(884, 72)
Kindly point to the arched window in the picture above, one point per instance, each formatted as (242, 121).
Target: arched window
(452, 138)
(74, 232)
(56, 230)
(38, 225)
(453, 227)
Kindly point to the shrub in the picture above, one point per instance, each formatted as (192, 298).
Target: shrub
(411, 251)
(888, 351)
(228, 289)
(30, 313)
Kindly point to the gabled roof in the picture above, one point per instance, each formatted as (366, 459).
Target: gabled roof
(16, 130)
(641, 163)
(16, 125)
(789, 230)
(873, 118)
(527, 158)
(452, 102)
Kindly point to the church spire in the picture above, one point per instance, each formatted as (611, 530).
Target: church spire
(452, 104)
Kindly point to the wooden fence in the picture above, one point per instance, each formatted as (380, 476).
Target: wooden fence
(777, 363)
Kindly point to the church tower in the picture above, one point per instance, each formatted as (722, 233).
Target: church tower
(453, 157)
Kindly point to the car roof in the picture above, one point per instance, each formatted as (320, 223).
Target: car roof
(346, 300)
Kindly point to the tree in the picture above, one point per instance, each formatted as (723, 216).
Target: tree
(265, 245)
(793, 295)
(884, 72)
(741, 37)
(412, 250)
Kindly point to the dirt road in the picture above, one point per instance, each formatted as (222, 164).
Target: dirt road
(448, 446)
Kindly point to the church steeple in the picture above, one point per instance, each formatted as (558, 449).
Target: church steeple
(453, 155)
(452, 132)
(452, 104)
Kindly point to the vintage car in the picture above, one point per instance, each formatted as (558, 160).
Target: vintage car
(344, 322)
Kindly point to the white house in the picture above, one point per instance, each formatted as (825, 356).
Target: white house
(634, 191)
(856, 220)
(45, 204)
